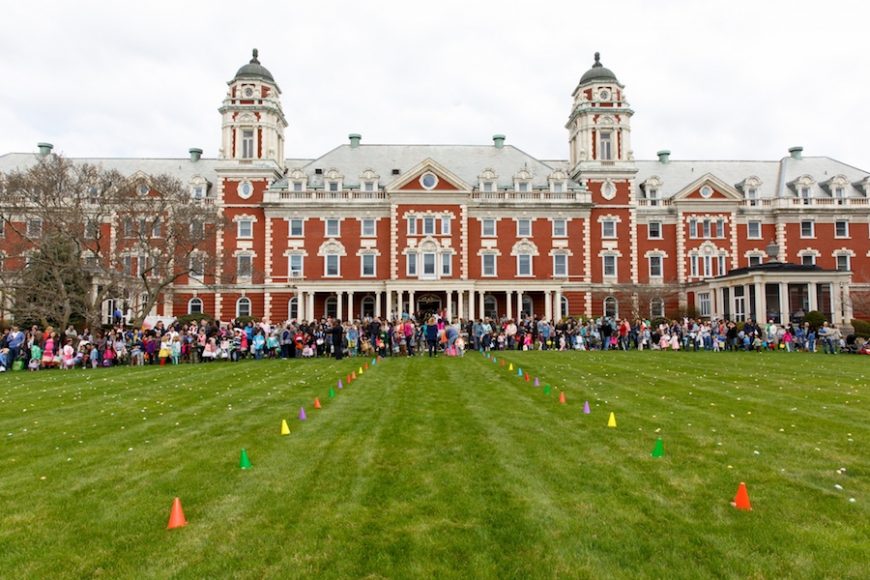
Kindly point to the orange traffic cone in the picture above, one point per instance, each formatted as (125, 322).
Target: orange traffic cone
(353, 375)
(562, 398)
(741, 500)
(316, 403)
(176, 516)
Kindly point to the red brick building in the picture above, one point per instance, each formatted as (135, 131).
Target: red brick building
(489, 229)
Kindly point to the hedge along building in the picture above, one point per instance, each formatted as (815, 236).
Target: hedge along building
(489, 230)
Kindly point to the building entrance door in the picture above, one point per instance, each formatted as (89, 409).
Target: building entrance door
(427, 305)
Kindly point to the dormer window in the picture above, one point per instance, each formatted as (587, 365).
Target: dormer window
(298, 186)
(523, 186)
(840, 195)
(333, 186)
(488, 186)
(805, 194)
(752, 196)
(653, 196)
(368, 186)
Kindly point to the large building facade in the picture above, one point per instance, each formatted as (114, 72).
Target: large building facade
(489, 230)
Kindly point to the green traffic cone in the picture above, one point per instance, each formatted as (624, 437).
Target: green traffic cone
(659, 449)
(244, 462)
(331, 392)
(546, 389)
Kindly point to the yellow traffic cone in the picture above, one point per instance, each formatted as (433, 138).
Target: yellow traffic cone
(285, 429)
(511, 367)
(612, 421)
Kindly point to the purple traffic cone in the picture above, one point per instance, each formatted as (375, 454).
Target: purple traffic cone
(340, 386)
(302, 416)
(586, 409)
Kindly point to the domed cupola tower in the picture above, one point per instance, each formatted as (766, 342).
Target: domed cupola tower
(253, 121)
(599, 126)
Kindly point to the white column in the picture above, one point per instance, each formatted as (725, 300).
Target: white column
(309, 310)
(783, 303)
(548, 304)
(731, 302)
(482, 309)
(760, 302)
(509, 298)
(378, 303)
(350, 305)
(339, 305)
(558, 306)
(389, 304)
(411, 305)
(300, 305)
(400, 302)
(459, 303)
(519, 303)
(449, 307)
(835, 304)
(471, 304)
(812, 296)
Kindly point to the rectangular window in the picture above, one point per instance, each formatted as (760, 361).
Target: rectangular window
(368, 227)
(245, 228)
(412, 226)
(560, 265)
(34, 228)
(295, 265)
(560, 228)
(429, 264)
(693, 228)
(244, 266)
(369, 186)
(412, 264)
(808, 260)
(720, 229)
(754, 261)
(488, 264)
(488, 228)
(752, 196)
(197, 266)
(706, 229)
(693, 267)
(840, 195)
(610, 266)
(753, 230)
(704, 303)
(524, 228)
(2, 227)
(654, 230)
(129, 231)
(127, 262)
(524, 265)
(333, 186)
(332, 265)
(841, 229)
(198, 192)
(708, 266)
(608, 229)
(91, 229)
(653, 196)
(446, 264)
(247, 143)
(428, 226)
(445, 226)
(808, 229)
(297, 186)
(655, 266)
(368, 264)
(606, 147)
(296, 228)
(723, 265)
(332, 228)
(558, 187)
(197, 229)
(843, 263)
(487, 186)
(805, 195)
(156, 228)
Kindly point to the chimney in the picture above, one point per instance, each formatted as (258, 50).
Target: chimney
(355, 138)
(195, 154)
(664, 156)
(44, 149)
(795, 152)
(498, 141)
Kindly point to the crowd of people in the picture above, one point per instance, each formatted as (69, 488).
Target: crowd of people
(210, 341)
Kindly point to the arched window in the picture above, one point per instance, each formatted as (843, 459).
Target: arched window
(565, 311)
(367, 306)
(194, 306)
(527, 305)
(490, 306)
(611, 307)
(331, 307)
(243, 307)
(656, 308)
(293, 309)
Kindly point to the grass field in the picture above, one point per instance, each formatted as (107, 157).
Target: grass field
(439, 468)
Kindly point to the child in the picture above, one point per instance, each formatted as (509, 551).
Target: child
(176, 350)
(165, 350)
(68, 356)
(35, 358)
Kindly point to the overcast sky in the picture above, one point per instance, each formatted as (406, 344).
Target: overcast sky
(735, 80)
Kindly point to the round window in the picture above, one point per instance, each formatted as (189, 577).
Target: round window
(249, 92)
(429, 180)
(604, 95)
(245, 189)
(706, 191)
(144, 189)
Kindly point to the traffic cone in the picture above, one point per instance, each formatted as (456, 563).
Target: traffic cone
(586, 409)
(302, 416)
(360, 370)
(340, 386)
(244, 462)
(285, 429)
(659, 449)
(546, 389)
(176, 516)
(331, 392)
(562, 400)
(741, 500)
(316, 403)
(501, 363)
(353, 375)
(612, 421)
(519, 372)
(374, 361)
(537, 384)
(511, 367)
(366, 366)
(494, 360)
(526, 376)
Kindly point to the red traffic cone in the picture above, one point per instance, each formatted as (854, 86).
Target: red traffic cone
(741, 500)
(176, 516)
(562, 398)
(316, 403)
(526, 376)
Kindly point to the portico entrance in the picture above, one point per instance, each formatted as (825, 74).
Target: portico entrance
(428, 304)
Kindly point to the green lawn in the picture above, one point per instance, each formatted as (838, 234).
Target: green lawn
(447, 467)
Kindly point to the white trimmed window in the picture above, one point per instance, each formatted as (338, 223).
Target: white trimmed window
(844, 263)
(655, 266)
(693, 228)
(197, 229)
(754, 260)
(704, 304)
(369, 186)
(244, 265)
(412, 225)
(753, 230)
(487, 227)
(428, 226)
(334, 186)
(720, 228)
(609, 265)
(840, 195)
(805, 194)
(558, 186)
(522, 186)
(245, 228)
(808, 260)
(91, 229)
(368, 227)
(656, 308)
(34, 228)
(331, 266)
(367, 267)
(808, 229)
(654, 230)
(247, 143)
(752, 196)
(488, 186)
(243, 307)
(608, 229)
(194, 306)
(446, 264)
(560, 228)
(411, 260)
(333, 227)
(841, 229)
(298, 186)
(606, 145)
(652, 195)
(445, 225)
(560, 265)
(524, 228)
(428, 265)
(524, 264)
(295, 265)
(488, 264)
(296, 229)
(197, 266)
